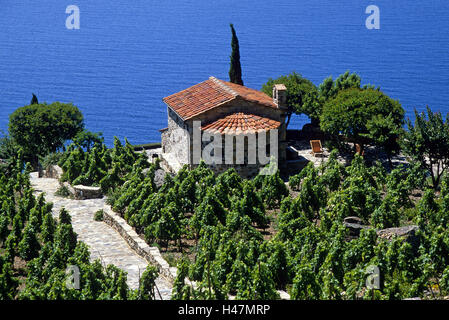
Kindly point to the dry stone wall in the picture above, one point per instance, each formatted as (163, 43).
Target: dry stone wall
(151, 254)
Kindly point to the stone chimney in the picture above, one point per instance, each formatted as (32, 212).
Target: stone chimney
(280, 96)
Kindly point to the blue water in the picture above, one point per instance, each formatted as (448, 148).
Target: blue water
(128, 55)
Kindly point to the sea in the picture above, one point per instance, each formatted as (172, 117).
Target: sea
(127, 55)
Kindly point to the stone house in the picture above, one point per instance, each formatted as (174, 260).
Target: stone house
(221, 109)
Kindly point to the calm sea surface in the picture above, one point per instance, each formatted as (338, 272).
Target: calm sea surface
(128, 55)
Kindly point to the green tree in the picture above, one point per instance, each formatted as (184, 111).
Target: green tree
(43, 128)
(385, 133)
(427, 142)
(34, 100)
(353, 112)
(329, 88)
(235, 70)
(302, 96)
(88, 139)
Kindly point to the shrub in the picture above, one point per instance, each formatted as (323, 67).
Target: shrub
(64, 192)
(99, 215)
(50, 159)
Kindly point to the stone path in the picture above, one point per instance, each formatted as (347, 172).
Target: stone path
(105, 243)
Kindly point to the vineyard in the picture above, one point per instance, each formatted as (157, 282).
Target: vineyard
(37, 250)
(249, 238)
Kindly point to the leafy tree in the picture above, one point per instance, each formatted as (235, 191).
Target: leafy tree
(302, 95)
(354, 112)
(329, 88)
(41, 128)
(427, 143)
(88, 139)
(385, 133)
(235, 71)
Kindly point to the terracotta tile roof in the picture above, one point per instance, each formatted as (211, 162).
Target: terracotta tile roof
(210, 94)
(241, 122)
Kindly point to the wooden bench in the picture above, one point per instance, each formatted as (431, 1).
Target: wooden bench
(317, 149)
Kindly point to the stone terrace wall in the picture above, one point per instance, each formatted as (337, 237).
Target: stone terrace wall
(151, 254)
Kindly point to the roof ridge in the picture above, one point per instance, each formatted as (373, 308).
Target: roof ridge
(224, 86)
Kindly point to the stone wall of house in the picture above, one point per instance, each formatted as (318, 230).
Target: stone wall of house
(251, 162)
(240, 105)
(175, 139)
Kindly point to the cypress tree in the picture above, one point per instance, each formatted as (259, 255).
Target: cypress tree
(235, 71)
(34, 100)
